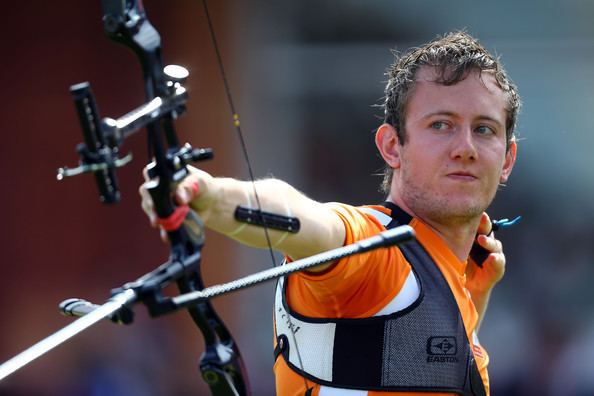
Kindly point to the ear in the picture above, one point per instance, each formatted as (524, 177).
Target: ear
(386, 140)
(510, 160)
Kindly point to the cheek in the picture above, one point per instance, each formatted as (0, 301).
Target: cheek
(493, 161)
(421, 162)
(420, 173)
(502, 174)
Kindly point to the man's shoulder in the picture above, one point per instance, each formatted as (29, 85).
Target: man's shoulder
(361, 213)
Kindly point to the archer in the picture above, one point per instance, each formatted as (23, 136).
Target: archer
(405, 319)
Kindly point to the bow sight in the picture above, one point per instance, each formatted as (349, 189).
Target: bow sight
(103, 137)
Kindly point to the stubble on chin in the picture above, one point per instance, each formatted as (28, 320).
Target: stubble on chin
(441, 208)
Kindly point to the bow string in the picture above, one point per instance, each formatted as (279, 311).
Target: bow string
(237, 126)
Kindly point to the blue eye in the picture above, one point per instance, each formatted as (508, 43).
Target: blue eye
(439, 125)
(485, 130)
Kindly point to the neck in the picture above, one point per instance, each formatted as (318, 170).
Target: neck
(459, 234)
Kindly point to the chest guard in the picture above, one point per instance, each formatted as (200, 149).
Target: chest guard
(422, 348)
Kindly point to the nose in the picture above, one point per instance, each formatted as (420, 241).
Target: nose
(464, 146)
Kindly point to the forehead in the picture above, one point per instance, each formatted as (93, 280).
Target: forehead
(477, 95)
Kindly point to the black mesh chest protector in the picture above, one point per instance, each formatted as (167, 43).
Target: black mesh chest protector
(423, 348)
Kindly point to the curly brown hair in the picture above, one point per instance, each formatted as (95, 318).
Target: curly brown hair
(453, 56)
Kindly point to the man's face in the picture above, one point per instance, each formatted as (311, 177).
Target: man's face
(455, 153)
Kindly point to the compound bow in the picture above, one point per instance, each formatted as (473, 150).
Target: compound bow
(125, 21)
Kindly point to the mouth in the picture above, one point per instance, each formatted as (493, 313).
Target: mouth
(462, 176)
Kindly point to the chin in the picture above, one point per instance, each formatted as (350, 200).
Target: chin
(469, 209)
(446, 206)
(460, 210)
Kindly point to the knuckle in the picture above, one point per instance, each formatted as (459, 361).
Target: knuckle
(500, 258)
(499, 245)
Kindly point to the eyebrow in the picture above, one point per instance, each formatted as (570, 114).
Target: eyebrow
(451, 114)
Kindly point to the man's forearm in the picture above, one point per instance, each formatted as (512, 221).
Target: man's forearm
(217, 198)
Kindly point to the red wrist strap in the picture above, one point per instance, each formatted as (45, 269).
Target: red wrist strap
(175, 220)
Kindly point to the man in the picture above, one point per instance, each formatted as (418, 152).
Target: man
(399, 320)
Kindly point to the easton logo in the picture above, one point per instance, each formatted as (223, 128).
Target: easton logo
(442, 350)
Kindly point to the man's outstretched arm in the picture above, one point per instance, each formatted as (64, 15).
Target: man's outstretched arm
(215, 200)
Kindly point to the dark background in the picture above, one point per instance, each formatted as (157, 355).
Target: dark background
(305, 76)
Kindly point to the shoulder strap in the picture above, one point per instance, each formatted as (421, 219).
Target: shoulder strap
(398, 215)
